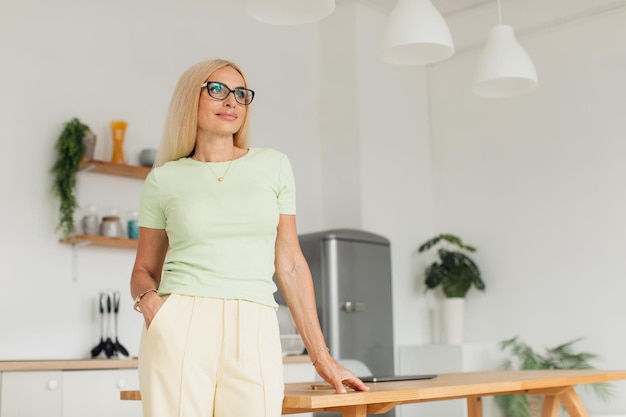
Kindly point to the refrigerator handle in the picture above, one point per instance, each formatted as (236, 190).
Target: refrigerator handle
(352, 307)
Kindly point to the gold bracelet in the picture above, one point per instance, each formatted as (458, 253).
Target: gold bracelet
(319, 353)
(140, 296)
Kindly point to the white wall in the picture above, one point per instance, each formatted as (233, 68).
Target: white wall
(395, 155)
(536, 183)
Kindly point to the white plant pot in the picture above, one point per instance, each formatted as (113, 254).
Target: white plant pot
(452, 320)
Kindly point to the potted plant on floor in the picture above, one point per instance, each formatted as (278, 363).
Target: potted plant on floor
(456, 273)
(522, 357)
(70, 148)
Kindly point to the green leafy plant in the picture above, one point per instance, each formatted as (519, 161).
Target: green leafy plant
(454, 271)
(70, 152)
(522, 357)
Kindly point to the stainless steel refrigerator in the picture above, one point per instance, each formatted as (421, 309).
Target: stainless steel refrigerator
(352, 278)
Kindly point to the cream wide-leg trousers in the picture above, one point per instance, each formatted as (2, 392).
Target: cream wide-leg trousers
(207, 357)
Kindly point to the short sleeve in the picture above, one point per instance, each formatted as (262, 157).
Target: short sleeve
(151, 213)
(287, 189)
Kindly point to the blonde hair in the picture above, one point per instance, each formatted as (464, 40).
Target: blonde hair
(181, 124)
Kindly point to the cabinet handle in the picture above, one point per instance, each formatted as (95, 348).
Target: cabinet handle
(121, 383)
(52, 384)
(350, 307)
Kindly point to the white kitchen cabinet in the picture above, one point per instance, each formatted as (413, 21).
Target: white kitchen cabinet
(31, 394)
(88, 388)
(96, 393)
(299, 372)
(68, 393)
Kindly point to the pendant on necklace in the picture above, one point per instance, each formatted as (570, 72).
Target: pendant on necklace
(221, 178)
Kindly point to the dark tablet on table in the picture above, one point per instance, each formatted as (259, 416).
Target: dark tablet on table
(396, 378)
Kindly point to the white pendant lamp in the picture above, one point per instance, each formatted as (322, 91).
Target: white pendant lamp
(289, 12)
(504, 68)
(416, 34)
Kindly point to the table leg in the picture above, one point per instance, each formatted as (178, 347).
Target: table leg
(551, 405)
(573, 405)
(474, 407)
(355, 411)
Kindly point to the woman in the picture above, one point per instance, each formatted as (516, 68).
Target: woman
(217, 220)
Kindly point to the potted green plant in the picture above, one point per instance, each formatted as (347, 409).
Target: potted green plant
(455, 271)
(70, 149)
(522, 357)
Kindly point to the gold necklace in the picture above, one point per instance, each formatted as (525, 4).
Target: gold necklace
(221, 178)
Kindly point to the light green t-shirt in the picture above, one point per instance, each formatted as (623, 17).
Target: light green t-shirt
(221, 234)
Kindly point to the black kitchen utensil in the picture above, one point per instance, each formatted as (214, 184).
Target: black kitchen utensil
(109, 346)
(116, 308)
(100, 346)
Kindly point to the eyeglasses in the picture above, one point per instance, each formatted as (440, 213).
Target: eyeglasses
(221, 91)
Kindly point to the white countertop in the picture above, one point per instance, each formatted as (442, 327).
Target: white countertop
(84, 364)
(67, 364)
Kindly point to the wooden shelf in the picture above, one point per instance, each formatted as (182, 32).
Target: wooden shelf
(109, 168)
(104, 241)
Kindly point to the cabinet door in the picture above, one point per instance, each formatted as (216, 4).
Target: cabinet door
(31, 394)
(97, 393)
(364, 307)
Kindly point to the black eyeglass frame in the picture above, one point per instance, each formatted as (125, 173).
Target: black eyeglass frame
(206, 84)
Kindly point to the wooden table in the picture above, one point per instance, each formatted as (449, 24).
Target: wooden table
(557, 386)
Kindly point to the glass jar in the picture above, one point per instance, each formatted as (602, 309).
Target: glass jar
(111, 226)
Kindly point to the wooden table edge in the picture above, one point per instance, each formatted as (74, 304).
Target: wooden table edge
(557, 386)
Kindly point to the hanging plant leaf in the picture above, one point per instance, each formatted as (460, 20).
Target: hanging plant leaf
(70, 152)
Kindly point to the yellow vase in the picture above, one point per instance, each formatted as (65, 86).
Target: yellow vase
(118, 130)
